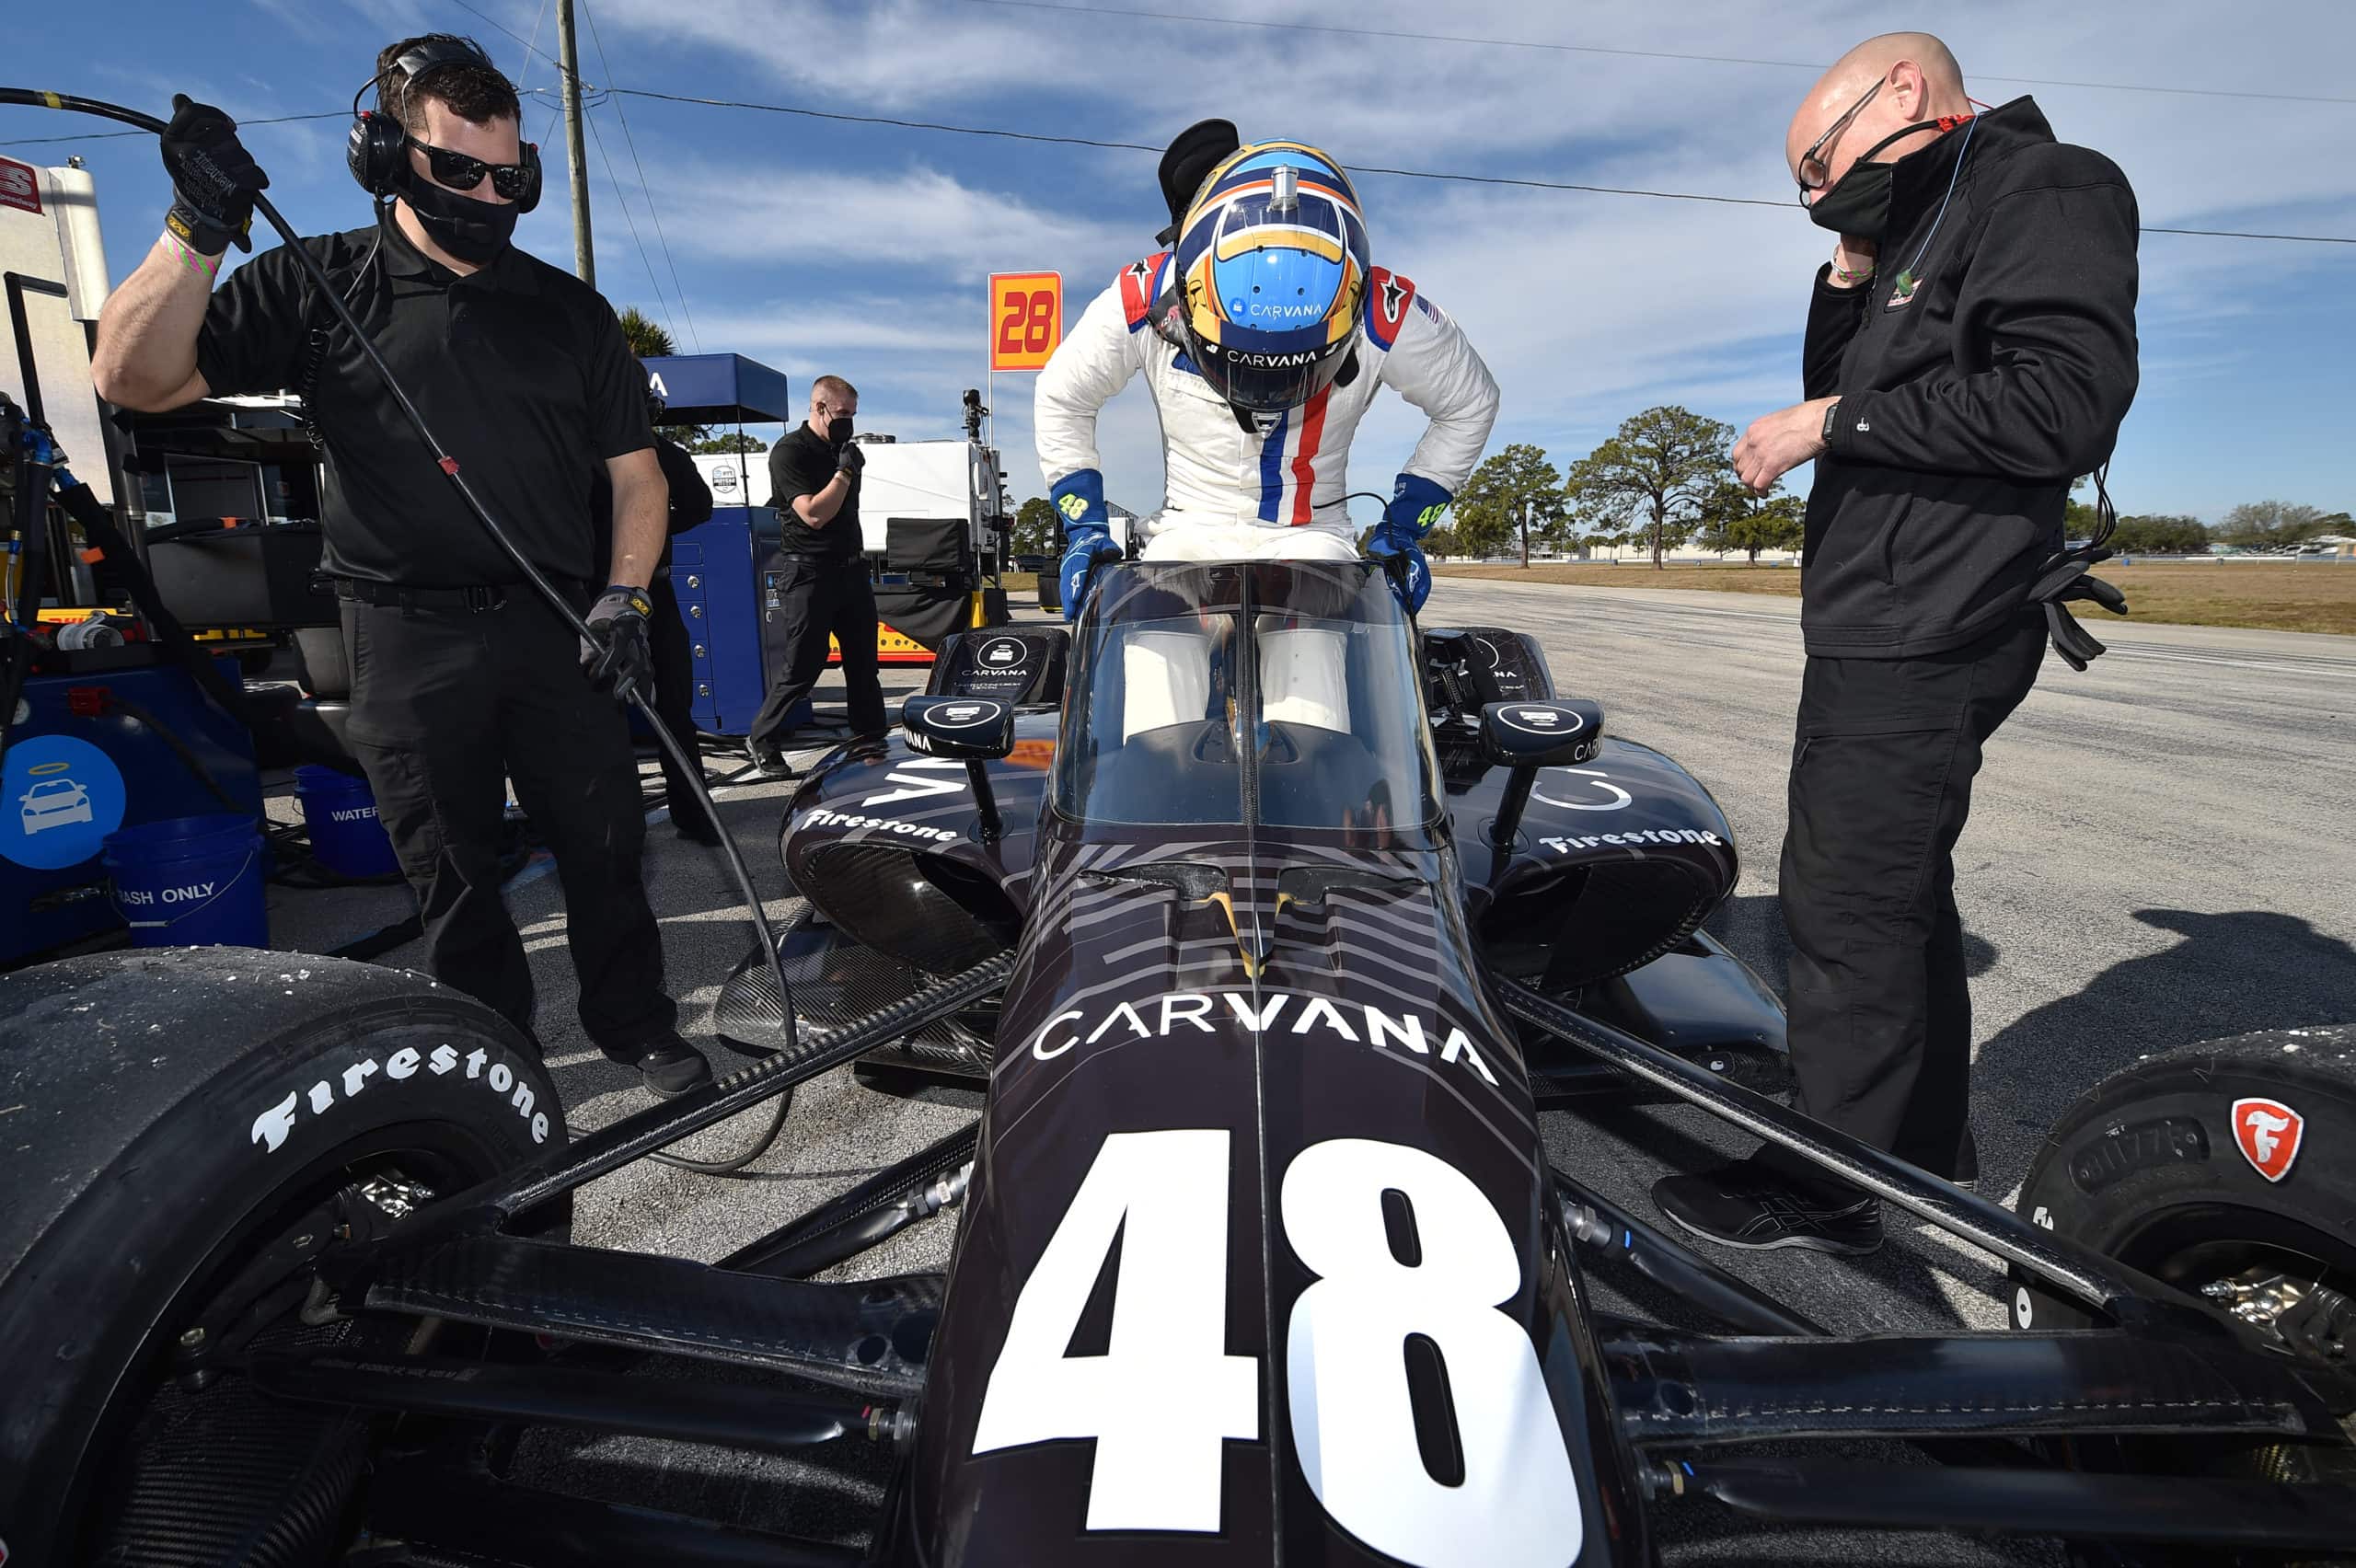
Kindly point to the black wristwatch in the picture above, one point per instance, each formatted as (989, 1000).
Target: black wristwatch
(1831, 413)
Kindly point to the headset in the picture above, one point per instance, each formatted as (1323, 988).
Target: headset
(377, 147)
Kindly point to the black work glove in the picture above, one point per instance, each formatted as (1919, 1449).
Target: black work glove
(214, 180)
(850, 458)
(616, 655)
(2063, 578)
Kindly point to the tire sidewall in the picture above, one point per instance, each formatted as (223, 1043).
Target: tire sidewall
(2160, 1137)
(90, 1298)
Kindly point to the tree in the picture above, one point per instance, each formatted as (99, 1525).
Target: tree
(1654, 477)
(1035, 530)
(1442, 541)
(1735, 518)
(2272, 522)
(1510, 494)
(730, 441)
(646, 340)
(2160, 535)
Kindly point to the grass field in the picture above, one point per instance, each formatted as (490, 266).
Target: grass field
(2271, 596)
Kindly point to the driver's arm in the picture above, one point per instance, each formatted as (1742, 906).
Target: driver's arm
(1433, 365)
(1095, 360)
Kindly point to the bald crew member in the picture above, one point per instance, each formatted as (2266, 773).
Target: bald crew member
(1970, 351)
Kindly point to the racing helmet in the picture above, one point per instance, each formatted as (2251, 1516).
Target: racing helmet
(1271, 268)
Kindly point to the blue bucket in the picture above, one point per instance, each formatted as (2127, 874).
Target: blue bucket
(345, 833)
(190, 882)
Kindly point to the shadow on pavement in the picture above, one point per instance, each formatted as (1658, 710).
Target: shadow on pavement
(2233, 974)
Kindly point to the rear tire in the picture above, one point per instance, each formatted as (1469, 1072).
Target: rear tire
(183, 1114)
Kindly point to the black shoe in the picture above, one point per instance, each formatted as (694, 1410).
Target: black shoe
(772, 764)
(671, 1068)
(1744, 1204)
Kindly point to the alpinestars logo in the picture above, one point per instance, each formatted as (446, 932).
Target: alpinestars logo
(2267, 1132)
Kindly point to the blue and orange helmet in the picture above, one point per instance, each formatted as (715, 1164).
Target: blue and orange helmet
(1272, 263)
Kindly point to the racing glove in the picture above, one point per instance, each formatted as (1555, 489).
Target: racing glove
(850, 458)
(1087, 547)
(616, 655)
(1417, 503)
(214, 180)
(2063, 578)
(1079, 501)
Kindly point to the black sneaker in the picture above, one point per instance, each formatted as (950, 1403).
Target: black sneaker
(1744, 1204)
(772, 764)
(671, 1068)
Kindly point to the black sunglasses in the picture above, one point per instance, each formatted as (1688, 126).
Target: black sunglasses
(1813, 171)
(460, 172)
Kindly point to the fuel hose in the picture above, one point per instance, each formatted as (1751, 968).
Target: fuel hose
(443, 459)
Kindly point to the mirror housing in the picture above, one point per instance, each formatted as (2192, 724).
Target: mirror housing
(1541, 734)
(959, 728)
(1527, 736)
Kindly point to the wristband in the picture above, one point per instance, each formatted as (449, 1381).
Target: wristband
(1844, 279)
(191, 259)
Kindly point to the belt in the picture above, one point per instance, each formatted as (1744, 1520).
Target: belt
(394, 594)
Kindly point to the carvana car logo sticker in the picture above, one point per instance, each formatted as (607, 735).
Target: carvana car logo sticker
(59, 799)
(1535, 719)
(2267, 1132)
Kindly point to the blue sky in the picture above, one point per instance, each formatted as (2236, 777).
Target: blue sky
(863, 249)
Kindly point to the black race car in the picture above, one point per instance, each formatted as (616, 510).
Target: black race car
(1259, 1255)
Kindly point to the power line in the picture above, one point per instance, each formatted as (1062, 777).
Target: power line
(659, 301)
(1004, 134)
(1599, 49)
(531, 47)
(644, 190)
(109, 136)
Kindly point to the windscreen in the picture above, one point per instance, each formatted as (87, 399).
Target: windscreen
(1278, 693)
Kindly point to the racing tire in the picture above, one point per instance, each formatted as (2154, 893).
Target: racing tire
(2149, 1168)
(175, 1120)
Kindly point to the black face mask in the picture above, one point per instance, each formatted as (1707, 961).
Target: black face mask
(474, 232)
(838, 431)
(1858, 202)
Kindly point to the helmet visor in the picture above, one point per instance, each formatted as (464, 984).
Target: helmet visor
(1269, 383)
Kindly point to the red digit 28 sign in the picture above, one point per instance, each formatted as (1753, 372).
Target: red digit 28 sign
(1027, 318)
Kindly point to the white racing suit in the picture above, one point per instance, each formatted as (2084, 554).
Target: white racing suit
(1271, 492)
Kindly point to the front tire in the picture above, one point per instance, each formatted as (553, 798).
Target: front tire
(194, 1125)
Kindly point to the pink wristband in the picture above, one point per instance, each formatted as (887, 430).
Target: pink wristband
(195, 260)
(1843, 277)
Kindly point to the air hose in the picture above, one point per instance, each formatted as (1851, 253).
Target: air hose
(548, 590)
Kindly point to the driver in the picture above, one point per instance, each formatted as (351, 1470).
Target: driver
(1264, 336)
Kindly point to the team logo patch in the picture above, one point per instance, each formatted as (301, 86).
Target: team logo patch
(1387, 297)
(2267, 1132)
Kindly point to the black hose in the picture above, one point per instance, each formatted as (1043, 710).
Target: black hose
(449, 467)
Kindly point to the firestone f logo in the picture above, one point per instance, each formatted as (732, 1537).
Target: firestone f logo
(2267, 1132)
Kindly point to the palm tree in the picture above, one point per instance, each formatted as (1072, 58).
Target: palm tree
(646, 340)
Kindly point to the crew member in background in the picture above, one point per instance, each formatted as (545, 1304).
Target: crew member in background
(1970, 350)
(822, 587)
(674, 655)
(462, 678)
(1262, 338)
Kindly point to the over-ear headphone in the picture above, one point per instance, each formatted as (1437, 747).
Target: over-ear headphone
(377, 147)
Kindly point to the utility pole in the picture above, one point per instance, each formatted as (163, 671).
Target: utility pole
(568, 63)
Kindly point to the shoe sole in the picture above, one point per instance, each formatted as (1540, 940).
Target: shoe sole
(659, 1092)
(1812, 1243)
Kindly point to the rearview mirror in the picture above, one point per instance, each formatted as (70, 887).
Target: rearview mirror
(1541, 734)
(963, 729)
(1527, 736)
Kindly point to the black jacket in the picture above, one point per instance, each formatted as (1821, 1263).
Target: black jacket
(1969, 405)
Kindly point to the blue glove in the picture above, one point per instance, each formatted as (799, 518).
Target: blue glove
(1088, 545)
(1079, 501)
(1416, 504)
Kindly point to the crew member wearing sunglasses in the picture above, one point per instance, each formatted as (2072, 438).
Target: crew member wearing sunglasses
(1970, 351)
(462, 679)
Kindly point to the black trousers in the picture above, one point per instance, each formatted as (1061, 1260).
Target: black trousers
(674, 701)
(815, 598)
(446, 705)
(1881, 779)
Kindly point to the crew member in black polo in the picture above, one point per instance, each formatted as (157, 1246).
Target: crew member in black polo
(823, 586)
(462, 677)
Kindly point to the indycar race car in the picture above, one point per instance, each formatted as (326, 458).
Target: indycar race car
(1259, 1254)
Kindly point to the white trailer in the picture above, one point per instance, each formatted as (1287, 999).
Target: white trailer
(934, 480)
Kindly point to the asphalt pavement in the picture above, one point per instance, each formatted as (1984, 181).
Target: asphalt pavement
(2160, 851)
